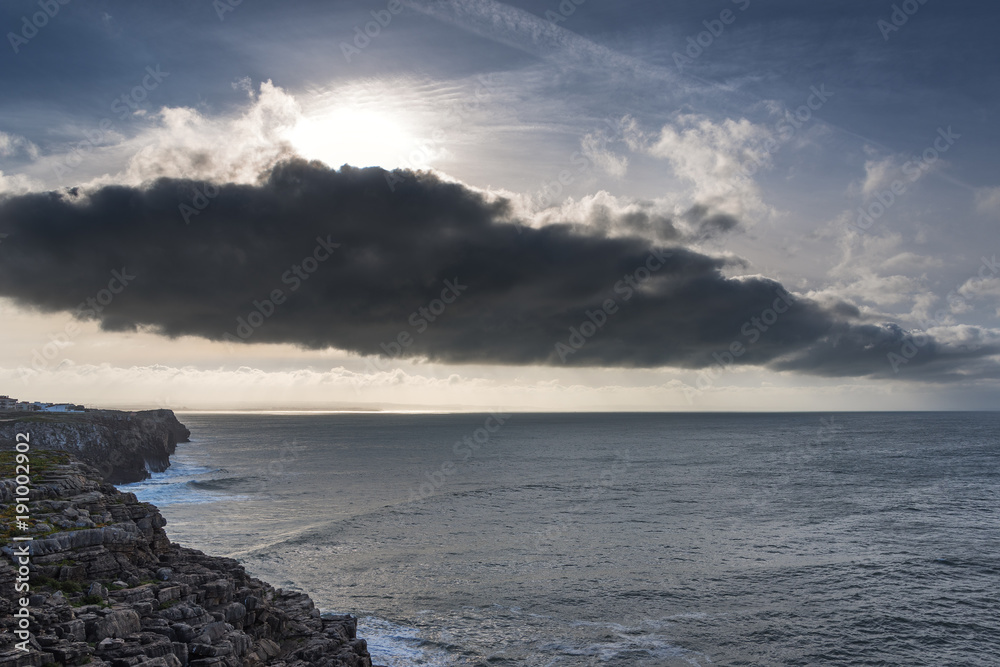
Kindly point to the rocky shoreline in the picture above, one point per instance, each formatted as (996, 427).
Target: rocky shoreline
(109, 589)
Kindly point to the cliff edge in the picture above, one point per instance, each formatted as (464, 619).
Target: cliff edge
(125, 447)
(99, 583)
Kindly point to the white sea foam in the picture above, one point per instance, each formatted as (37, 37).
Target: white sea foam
(399, 645)
(171, 486)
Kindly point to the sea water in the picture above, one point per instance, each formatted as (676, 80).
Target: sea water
(613, 539)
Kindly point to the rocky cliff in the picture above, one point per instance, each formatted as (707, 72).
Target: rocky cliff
(124, 446)
(99, 583)
(109, 589)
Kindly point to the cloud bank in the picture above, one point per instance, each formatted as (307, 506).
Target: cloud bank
(408, 265)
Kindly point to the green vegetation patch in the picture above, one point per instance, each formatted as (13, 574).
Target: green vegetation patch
(67, 587)
(39, 461)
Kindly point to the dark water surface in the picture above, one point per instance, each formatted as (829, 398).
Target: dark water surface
(638, 539)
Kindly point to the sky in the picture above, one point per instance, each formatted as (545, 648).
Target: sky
(537, 205)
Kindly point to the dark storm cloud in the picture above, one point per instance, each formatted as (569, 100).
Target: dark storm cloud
(380, 254)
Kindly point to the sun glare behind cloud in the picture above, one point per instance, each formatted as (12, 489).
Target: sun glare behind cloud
(354, 135)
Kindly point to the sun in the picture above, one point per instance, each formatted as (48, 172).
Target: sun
(354, 135)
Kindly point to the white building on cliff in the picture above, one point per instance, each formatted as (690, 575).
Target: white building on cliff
(8, 403)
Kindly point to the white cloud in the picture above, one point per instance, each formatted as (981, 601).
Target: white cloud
(718, 159)
(249, 387)
(961, 336)
(12, 145)
(662, 220)
(595, 147)
(911, 262)
(976, 288)
(988, 200)
(882, 291)
(879, 175)
(875, 271)
(187, 144)
(609, 215)
(17, 184)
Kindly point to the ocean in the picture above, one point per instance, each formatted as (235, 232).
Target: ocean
(613, 539)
